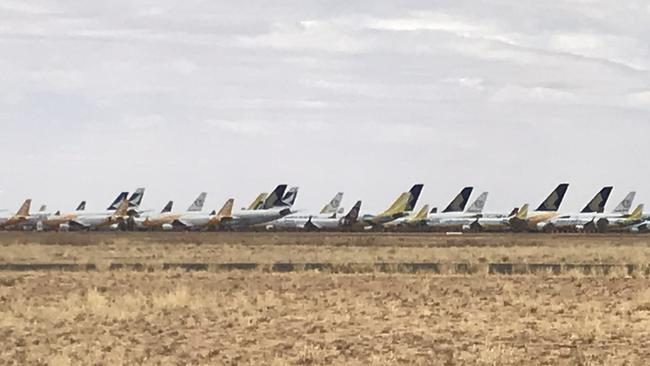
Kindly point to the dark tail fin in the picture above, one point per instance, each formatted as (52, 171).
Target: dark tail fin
(434, 210)
(168, 207)
(275, 198)
(43, 208)
(136, 198)
(353, 215)
(597, 204)
(514, 212)
(554, 200)
(414, 196)
(289, 198)
(458, 204)
(121, 197)
(82, 206)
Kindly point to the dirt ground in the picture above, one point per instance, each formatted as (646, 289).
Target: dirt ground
(311, 318)
(320, 247)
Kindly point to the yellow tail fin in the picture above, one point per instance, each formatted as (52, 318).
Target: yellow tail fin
(258, 201)
(398, 206)
(122, 209)
(226, 210)
(422, 214)
(637, 213)
(523, 212)
(24, 209)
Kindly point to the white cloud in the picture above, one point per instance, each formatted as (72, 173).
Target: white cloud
(330, 97)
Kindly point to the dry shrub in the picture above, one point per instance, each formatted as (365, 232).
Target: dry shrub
(178, 298)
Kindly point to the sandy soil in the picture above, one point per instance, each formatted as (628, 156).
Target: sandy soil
(315, 318)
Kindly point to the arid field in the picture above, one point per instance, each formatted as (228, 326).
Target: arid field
(310, 317)
(321, 247)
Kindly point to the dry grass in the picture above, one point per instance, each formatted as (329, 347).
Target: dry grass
(316, 318)
(339, 248)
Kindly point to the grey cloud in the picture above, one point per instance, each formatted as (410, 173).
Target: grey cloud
(370, 97)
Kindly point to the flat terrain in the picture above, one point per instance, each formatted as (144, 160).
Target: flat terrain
(316, 318)
(317, 247)
(313, 318)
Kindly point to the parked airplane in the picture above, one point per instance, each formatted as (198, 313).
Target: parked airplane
(60, 221)
(585, 220)
(453, 218)
(20, 217)
(331, 223)
(498, 222)
(80, 220)
(631, 222)
(165, 219)
(414, 220)
(189, 220)
(297, 220)
(271, 209)
(400, 208)
(546, 211)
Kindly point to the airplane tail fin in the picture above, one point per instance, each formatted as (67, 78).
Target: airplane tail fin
(226, 210)
(458, 204)
(554, 200)
(136, 198)
(197, 205)
(122, 210)
(399, 205)
(434, 210)
(478, 204)
(333, 205)
(637, 213)
(625, 205)
(258, 202)
(290, 196)
(414, 195)
(168, 207)
(82, 206)
(353, 215)
(422, 214)
(24, 209)
(121, 197)
(275, 198)
(43, 208)
(597, 204)
(514, 212)
(522, 213)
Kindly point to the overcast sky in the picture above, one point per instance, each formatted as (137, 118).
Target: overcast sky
(364, 97)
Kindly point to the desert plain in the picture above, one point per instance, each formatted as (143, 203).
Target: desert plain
(307, 317)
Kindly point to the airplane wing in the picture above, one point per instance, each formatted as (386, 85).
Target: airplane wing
(180, 224)
(75, 224)
(309, 225)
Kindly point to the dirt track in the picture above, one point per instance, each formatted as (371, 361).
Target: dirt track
(314, 247)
